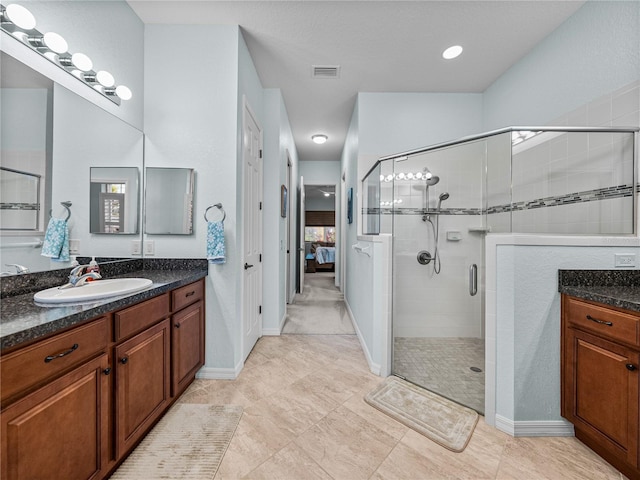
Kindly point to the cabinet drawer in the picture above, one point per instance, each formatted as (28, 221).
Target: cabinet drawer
(183, 296)
(604, 321)
(135, 319)
(43, 361)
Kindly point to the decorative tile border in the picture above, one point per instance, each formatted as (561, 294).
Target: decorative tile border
(618, 191)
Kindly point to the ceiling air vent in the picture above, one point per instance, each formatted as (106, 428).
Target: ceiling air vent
(325, 71)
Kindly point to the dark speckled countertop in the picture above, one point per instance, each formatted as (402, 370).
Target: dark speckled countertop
(23, 321)
(618, 288)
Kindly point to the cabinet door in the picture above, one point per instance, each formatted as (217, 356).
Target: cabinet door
(604, 391)
(187, 346)
(59, 431)
(142, 384)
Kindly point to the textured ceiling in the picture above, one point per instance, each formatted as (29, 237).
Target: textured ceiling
(381, 46)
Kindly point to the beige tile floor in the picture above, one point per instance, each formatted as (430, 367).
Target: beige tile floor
(305, 418)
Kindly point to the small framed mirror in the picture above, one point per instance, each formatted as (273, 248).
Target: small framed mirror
(169, 201)
(114, 200)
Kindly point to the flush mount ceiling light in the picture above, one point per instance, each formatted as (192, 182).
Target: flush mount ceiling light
(20, 23)
(452, 52)
(319, 138)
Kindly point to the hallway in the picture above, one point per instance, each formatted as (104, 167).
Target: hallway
(305, 418)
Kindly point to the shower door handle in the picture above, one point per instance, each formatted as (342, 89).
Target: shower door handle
(473, 279)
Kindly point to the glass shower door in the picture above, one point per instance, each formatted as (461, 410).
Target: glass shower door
(438, 247)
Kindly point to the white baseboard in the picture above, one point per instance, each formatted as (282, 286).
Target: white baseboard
(271, 332)
(532, 428)
(374, 367)
(213, 373)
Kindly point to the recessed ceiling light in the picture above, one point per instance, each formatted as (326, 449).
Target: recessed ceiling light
(319, 138)
(452, 52)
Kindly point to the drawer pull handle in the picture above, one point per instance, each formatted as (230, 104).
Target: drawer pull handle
(193, 292)
(124, 360)
(601, 322)
(50, 358)
(631, 367)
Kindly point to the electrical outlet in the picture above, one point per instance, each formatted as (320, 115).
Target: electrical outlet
(149, 248)
(74, 246)
(136, 248)
(625, 259)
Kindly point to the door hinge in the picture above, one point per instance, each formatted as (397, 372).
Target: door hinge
(260, 205)
(260, 153)
(260, 257)
(260, 309)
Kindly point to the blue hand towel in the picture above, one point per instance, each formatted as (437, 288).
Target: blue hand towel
(56, 241)
(215, 242)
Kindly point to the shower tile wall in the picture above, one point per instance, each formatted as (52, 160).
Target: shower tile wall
(581, 162)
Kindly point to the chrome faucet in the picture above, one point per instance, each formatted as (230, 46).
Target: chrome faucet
(20, 269)
(77, 278)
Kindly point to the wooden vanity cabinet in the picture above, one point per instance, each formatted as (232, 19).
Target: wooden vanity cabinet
(74, 405)
(187, 335)
(600, 381)
(60, 431)
(141, 384)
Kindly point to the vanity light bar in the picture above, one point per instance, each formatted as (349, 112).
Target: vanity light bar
(20, 23)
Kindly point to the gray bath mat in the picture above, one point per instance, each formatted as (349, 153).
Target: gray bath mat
(441, 420)
(187, 444)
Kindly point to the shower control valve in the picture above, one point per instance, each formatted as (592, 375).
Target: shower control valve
(424, 257)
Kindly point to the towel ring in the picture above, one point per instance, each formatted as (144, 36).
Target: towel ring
(66, 205)
(218, 206)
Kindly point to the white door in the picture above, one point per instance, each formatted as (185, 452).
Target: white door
(252, 245)
(302, 225)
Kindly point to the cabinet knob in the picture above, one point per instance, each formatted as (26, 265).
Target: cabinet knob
(177, 325)
(107, 371)
(631, 367)
(124, 360)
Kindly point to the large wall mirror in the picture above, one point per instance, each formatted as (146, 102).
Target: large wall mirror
(54, 134)
(169, 201)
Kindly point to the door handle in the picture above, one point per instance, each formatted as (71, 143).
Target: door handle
(247, 266)
(473, 279)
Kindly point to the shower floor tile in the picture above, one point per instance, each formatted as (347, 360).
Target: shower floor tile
(443, 365)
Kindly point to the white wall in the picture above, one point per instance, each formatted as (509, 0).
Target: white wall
(191, 121)
(320, 173)
(594, 52)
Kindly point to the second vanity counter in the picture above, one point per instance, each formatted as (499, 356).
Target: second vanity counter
(617, 288)
(23, 321)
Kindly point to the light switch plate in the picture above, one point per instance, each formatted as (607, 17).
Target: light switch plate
(136, 248)
(625, 259)
(149, 248)
(74, 246)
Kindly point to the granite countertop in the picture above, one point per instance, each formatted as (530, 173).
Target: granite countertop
(611, 287)
(23, 321)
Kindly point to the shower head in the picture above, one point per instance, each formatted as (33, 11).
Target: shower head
(433, 180)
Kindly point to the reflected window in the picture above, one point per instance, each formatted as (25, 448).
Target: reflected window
(320, 234)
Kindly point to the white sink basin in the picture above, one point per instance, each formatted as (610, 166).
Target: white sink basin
(90, 291)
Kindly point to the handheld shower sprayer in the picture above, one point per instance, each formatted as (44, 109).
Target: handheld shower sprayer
(442, 198)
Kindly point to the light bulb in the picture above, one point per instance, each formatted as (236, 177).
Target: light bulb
(388, 178)
(105, 78)
(55, 42)
(123, 92)
(400, 176)
(418, 175)
(410, 176)
(382, 178)
(20, 17)
(81, 62)
(326, 194)
(452, 52)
